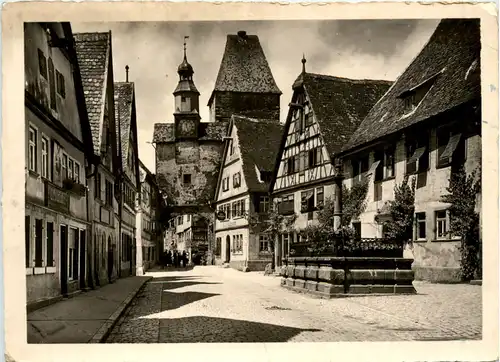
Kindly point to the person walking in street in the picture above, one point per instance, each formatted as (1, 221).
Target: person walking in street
(184, 259)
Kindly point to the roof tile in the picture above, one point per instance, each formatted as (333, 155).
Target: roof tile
(448, 57)
(244, 67)
(92, 51)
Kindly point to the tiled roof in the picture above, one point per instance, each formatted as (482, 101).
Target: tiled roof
(124, 96)
(449, 58)
(208, 131)
(340, 104)
(259, 145)
(163, 132)
(92, 51)
(244, 67)
(213, 131)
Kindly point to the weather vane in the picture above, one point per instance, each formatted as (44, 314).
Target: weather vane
(185, 37)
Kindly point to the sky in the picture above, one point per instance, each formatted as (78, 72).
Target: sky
(356, 49)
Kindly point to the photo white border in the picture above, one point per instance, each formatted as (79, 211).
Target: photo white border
(13, 16)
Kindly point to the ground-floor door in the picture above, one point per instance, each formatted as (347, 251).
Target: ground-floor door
(228, 249)
(64, 259)
(83, 253)
(110, 259)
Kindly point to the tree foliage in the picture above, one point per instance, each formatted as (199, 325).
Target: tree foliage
(275, 225)
(354, 200)
(323, 234)
(464, 220)
(402, 209)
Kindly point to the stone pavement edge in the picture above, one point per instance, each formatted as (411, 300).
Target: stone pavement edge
(85, 318)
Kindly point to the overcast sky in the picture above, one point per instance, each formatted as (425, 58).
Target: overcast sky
(370, 49)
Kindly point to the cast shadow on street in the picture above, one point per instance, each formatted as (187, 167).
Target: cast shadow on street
(222, 330)
(179, 284)
(174, 279)
(171, 300)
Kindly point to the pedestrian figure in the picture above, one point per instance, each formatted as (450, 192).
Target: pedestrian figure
(176, 259)
(184, 259)
(168, 258)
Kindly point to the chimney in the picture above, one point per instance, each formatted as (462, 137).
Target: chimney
(126, 72)
(242, 34)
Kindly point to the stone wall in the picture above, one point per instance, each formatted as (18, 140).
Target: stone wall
(337, 276)
(200, 160)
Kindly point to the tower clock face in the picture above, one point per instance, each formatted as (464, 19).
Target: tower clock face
(187, 127)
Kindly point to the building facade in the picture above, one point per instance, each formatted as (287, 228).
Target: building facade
(324, 112)
(148, 233)
(96, 66)
(189, 152)
(58, 158)
(242, 194)
(126, 124)
(426, 127)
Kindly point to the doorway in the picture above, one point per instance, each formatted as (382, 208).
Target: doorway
(64, 259)
(82, 259)
(110, 259)
(228, 249)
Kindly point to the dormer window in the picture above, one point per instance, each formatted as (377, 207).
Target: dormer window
(410, 103)
(414, 96)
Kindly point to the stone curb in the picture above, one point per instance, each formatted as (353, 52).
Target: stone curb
(106, 328)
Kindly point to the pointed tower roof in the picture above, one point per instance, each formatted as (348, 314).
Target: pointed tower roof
(185, 71)
(244, 67)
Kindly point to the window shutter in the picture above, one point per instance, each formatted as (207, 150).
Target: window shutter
(27, 244)
(52, 85)
(38, 243)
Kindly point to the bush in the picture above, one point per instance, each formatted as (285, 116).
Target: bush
(464, 220)
(402, 209)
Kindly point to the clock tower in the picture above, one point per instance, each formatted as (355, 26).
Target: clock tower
(187, 116)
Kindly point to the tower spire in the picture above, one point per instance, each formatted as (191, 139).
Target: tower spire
(303, 63)
(126, 73)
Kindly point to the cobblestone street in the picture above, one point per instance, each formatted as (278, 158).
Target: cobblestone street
(211, 304)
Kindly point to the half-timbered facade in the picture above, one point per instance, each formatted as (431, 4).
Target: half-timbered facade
(126, 117)
(96, 67)
(426, 127)
(242, 193)
(58, 159)
(320, 120)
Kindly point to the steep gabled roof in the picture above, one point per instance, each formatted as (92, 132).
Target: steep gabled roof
(79, 94)
(124, 98)
(163, 132)
(93, 53)
(340, 104)
(259, 144)
(448, 60)
(208, 131)
(244, 67)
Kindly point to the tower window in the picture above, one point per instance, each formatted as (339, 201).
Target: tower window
(183, 99)
(187, 179)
